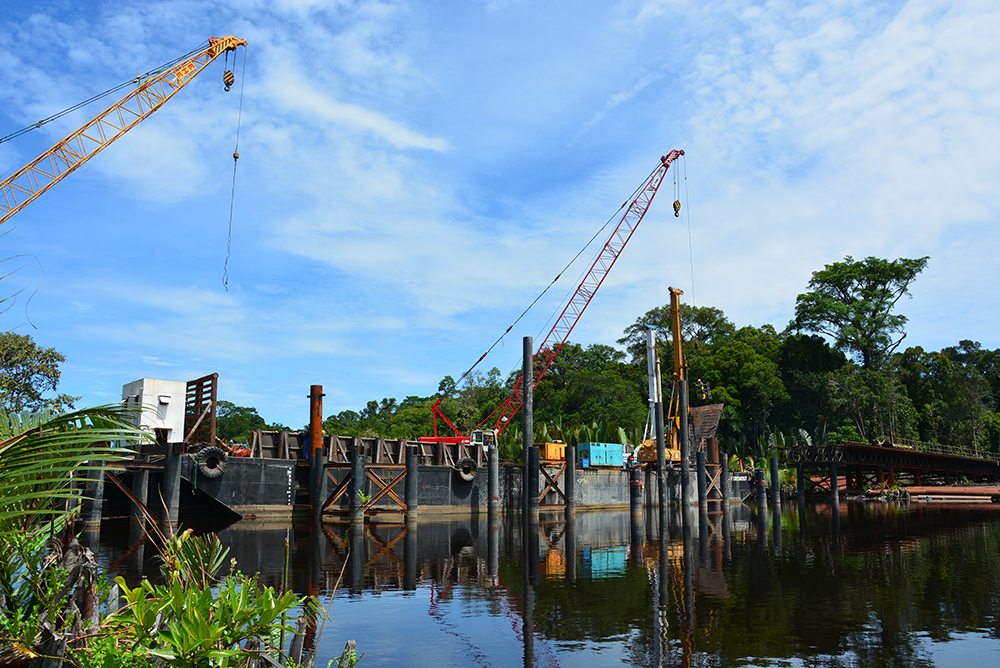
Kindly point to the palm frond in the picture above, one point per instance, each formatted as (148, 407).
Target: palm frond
(41, 453)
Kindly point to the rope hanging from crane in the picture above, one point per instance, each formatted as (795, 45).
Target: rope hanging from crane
(694, 301)
(228, 79)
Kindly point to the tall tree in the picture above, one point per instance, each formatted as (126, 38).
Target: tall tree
(744, 379)
(869, 404)
(852, 302)
(986, 361)
(699, 325)
(805, 362)
(590, 384)
(27, 371)
(951, 395)
(236, 423)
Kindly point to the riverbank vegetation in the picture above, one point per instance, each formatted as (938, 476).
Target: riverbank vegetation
(58, 608)
(837, 373)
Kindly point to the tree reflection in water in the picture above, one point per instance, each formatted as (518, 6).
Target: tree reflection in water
(806, 584)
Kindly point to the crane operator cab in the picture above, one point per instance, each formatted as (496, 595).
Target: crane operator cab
(484, 437)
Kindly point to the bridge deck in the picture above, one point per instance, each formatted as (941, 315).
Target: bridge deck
(929, 463)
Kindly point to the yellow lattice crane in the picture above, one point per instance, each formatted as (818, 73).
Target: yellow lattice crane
(149, 95)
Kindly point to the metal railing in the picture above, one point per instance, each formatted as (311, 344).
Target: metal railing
(939, 449)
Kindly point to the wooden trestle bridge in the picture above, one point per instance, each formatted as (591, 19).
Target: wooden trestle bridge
(879, 465)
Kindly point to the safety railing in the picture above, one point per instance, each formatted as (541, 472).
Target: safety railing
(936, 449)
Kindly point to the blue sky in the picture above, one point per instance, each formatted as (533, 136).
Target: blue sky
(412, 174)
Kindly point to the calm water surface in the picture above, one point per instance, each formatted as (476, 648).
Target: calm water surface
(806, 585)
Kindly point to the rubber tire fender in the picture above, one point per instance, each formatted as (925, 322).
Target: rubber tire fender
(466, 469)
(211, 462)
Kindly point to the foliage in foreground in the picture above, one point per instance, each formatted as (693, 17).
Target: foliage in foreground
(48, 583)
(194, 618)
(51, 591)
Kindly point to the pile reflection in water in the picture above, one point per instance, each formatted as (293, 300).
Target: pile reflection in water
(818, 584)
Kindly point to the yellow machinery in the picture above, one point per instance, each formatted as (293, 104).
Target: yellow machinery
(149, 95)
(552, 451)
(672, 421)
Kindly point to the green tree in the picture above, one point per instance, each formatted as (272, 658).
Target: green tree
(852, 302)
(700, 325)
(27, 372)
(805, 361)
(921, 376)
(952, 397)
(987, 362)
(869, 404)
(387, 418)
(236, 423)
(344, 423)
(592, 384)
(745, 380)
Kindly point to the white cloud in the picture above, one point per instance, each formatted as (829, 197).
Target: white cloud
(616, 99)
(290, 90)
(412, 175)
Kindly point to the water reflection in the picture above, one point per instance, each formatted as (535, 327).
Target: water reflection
(826, 584)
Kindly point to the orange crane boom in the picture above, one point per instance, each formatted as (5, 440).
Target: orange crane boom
(52, 166)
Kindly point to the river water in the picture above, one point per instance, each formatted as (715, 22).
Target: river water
(804, 585)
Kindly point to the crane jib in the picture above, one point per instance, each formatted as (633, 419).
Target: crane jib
(586, 290)
(65, 156)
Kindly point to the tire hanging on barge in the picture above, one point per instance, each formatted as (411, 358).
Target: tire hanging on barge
(211, 462)
(466, 469)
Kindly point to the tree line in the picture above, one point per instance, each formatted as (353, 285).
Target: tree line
(836, 373)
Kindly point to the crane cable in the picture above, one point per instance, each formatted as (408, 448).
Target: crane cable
(575, 257)
(676, 207)
(687, 210)
(236, 160)
(80, 105)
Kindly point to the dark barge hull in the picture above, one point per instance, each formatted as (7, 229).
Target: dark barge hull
(277, 489)
(274, 482)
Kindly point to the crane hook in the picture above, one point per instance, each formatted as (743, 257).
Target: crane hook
(228, 79)
(677, 208)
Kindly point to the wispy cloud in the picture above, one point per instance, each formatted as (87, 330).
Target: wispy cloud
(292, 92)
(412, 174)
(615, 100)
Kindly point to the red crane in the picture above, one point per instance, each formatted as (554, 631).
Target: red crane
(570, 315)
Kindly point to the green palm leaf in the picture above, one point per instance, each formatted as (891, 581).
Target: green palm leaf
(41, 453)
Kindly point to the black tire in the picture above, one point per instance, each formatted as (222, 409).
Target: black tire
(466, 469)
(211, 462)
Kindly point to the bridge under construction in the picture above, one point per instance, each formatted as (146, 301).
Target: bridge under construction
(867, 466)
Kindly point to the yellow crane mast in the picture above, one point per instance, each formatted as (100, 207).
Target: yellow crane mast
(647, 451)
(52, 166)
